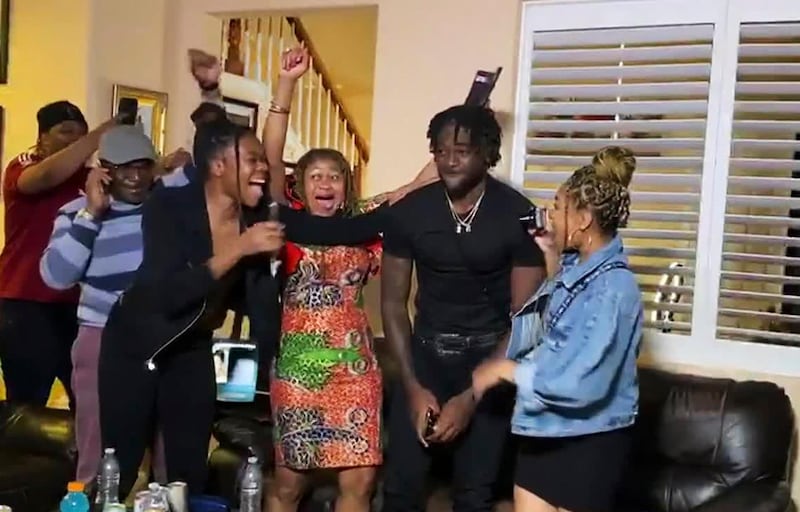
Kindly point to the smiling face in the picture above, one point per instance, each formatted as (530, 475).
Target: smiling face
(459, 162)
(245, 181)
(131, 182)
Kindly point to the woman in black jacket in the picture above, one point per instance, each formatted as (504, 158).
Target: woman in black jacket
(207, 246)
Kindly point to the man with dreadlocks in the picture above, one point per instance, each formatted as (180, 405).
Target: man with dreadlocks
(475, 264)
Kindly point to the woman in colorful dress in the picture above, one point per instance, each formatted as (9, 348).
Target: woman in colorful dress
(326, 388)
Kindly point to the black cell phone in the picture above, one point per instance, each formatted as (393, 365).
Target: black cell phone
(430, 422)
(535, 220)
(128, 110)
(482, 87)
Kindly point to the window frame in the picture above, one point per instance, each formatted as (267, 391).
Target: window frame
(702, 347)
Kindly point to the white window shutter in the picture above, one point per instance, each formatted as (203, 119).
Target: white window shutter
(645, 88)
(759, 293)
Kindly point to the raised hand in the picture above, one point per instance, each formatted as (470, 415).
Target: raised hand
(261, 238)
(97, 197)
(294, 62)
(178, 158)
(205, 68)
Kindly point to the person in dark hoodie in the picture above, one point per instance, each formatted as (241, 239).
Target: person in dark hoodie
(207, 246)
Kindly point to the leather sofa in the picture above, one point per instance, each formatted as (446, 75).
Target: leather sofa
(710, 445)
(701, 445)
(37, 456)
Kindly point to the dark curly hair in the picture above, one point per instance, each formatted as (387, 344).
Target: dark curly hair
(603, 187)
(484, 131)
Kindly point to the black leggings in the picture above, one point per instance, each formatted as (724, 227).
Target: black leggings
(178, 396)
(35, 343)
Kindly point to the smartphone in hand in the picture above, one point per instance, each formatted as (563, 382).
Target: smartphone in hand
(128, 110)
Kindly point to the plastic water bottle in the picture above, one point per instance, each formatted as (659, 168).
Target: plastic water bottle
(250, 493)
(75, 500)
(107, 480)
(157, 501)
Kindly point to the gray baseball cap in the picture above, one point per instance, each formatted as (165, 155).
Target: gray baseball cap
(124, 144)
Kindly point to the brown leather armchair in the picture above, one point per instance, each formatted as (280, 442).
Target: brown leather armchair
(37, 456)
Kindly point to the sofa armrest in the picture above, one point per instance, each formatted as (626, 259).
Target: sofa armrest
(246, 436)
(37, 431)
(761, 496)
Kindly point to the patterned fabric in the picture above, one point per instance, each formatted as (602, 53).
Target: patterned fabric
(326, 387)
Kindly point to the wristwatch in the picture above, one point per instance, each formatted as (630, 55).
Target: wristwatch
(86, 214)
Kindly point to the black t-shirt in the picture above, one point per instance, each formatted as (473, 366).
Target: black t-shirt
(464, 279)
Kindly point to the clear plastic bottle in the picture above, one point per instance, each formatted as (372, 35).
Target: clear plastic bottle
(157, 500)
(250, 487)
(107, 480)
(75, 500)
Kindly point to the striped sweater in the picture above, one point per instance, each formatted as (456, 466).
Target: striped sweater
(102, 257)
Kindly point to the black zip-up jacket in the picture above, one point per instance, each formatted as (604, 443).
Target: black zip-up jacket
(169, 293)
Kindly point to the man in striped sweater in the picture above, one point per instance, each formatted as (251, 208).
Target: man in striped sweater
(97, 243)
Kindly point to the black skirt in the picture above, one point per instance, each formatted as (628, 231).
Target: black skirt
(580, 474)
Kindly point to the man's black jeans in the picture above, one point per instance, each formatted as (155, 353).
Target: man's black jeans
(444, 365)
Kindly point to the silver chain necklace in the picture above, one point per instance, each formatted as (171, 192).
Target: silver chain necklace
(464, 225)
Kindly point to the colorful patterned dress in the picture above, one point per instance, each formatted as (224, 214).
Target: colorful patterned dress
(326, 387)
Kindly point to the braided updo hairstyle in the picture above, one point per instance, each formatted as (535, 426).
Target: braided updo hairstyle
(603, 187)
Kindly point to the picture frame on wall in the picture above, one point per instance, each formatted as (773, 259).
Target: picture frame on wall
(5, 7)
(152, 115)
(243, 113)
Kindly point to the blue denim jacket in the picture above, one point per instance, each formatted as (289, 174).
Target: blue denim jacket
(579, 375)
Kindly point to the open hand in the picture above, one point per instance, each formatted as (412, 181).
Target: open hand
(205, 68)
(177, 159)
(454, 418)
(97, 197)
(294, 62)
(261, 238)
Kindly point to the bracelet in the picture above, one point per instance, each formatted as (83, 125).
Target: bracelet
(277, 109)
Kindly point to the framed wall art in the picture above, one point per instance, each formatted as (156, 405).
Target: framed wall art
(152, 115)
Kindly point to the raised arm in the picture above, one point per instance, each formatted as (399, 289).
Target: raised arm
(294, 63)
(64, 261)
(60, 166)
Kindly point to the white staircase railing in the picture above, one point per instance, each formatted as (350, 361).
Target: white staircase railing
(251, 47)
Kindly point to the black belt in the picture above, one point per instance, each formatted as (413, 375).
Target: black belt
(462, 342)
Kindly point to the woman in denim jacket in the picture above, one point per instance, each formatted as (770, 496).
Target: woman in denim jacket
(573, 348)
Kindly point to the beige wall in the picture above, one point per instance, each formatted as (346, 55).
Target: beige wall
(126, 46)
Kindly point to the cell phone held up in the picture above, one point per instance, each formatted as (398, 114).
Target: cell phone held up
(535, 221)
(128, 110)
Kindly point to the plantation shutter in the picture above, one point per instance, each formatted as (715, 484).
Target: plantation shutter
(759, 297)
(645, 88)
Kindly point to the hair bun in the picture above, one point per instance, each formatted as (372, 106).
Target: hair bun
(615, 163)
